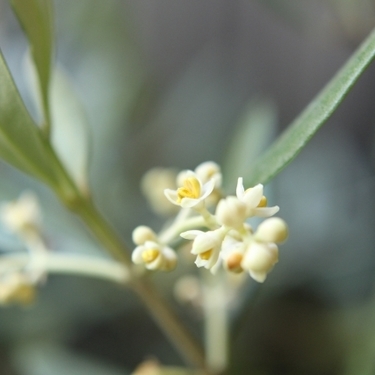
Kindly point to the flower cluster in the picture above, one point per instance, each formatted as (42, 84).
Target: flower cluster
(229, 240)
(22, 217)
(150, 252)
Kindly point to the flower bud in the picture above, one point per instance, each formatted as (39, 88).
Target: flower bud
(142, 234)
(208, 170)
(272, 230)
(23, 215)
(153, 184)
(260, 257)
(231, 212)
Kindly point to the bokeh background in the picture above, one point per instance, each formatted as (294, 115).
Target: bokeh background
(172, 83)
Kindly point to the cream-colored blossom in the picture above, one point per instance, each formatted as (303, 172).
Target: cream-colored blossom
(273, 229)
(259, 259)
(231, 212)
(254, 200)
(22, 216)
(233, 250)
(206, 246)
(155, 256)
(192, 192)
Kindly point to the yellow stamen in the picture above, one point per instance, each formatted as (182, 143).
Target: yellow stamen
(263, 202)
(191, 189)
(206, 254)
(150, 255)
(234, 262)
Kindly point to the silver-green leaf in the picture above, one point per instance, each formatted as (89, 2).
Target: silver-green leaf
(37, 21)
(21, 142)
(292, 141)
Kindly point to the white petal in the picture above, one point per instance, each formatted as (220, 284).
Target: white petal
(200, 262)
(189, 202)
(240, 190)
(181, 177)
(265, 211)
(191, 234)
(214, 259)
(208, 187)
(216, 266)
(137, 254)
(258, 276)
(169, 253)
(156, 264)
(171, 196)
(253, 196)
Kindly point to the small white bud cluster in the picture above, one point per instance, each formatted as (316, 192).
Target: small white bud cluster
(150, 252)
(22, 217)
(228, 239)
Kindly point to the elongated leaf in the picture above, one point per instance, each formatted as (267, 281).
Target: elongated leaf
(70, 131)
(291, 142)
(36, 19)
(21, 143)
(70, 128)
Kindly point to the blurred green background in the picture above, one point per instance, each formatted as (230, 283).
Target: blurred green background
(170, 83)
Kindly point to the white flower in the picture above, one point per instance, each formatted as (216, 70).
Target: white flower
(206, 247)
(192, 192)
(233, 250)
(22, 216)
(259, 259)
(155, 256)
(231, 212)
(255, 200)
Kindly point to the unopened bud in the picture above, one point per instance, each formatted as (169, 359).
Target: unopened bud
(231, 212)
(142, 234)
(272, 230)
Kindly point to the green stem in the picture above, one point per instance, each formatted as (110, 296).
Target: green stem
(171, 325)
(215, 308)
(157, 306)
(69, 264)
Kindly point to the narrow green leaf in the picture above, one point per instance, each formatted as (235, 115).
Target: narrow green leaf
(36, 19)
(21, 143)
(70, 131)
(291, 142)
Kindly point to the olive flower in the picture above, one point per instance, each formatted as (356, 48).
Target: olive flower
(255, 200)
(206, 246)
(155, 256)
(192, 192)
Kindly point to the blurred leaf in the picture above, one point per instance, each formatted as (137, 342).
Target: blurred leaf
(21, 143)
(70, 131)
(36, 19)
(70, 128)
(49, 357)
(252, 135)
(292, 141)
